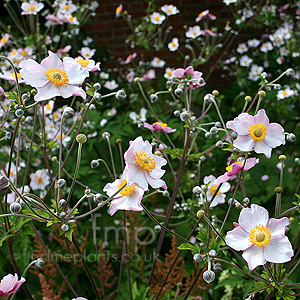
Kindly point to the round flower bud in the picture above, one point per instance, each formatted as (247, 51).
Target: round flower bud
(217, 267)
(215, 93)
(62, 214)
(248, 98)
(118, 141)
(68, 112)
(97, 96)
(153, 98)
(197, 257)
(200, 213)
(184, 116)
(8, 135)
(105, 135)
(81, 138)
(219, 144)
(282, 157)
(209, 276)
(65, 227)
(297, 160)
(169, 83)
(24, 97)
(19, 113)
(121, 95)
(165, 193)
(97, 86)
(278, 190)
(94, 164)
(29, 119)
(262, 93)
(62, 203)
(136, 79)
(98, 198)
(208, 98)
(246, 201)
(290, 72)
(61, 182)
(197, 190)
(179, 285)
(277, 87)
(212, 253)
(176, 113)
(213, 130)
(15, 207)
(39, 262)
(208, 135)
(202, 245)
(178, 92)
(92, 106)
(157, 228)
(218, 124)
(192, 176)
(291, 137)
(4, 184)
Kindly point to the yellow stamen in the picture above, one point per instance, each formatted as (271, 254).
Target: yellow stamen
(173, 44)
(213, 189)
(48, 106)
(156, 18)
(39, 180)
(257, 132)
(162, 124)
(229, 168)
(83, 62)
(118, 10)
(128, 190)
(260, 235)
(58, 77)
(67, 7)
(31, 8)
(13, 75)
(144, 161)
(24, 53)
(3, 40)
(284, 93)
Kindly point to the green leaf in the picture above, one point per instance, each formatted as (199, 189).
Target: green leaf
(185, 246)
(90, 93)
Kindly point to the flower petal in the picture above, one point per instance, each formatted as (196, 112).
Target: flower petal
(219, 199)
(47, 92)
(277, 226)
(155, 182)
(33, 73)
(262, 147)
(254, 256)
(222, 178)
(242, 123)
(225, 187)
(261, 118)
(75, 73)
(278, 250)
(244, 143)
(134, 175)
(51, 62)
(238, 239)
(68, 90)
(275, 135)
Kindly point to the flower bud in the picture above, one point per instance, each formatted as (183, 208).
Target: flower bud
(92, 106)
(157, 228)
(278, 190)
(19, 113)
(61, 182)
(215, 93)
(178, 92)
(219, 144)
(165, 193)
(98, 198)
(68, 112)
(29, 119)
(94, 164)
(153, 98)
(212, 253)
(176, 113)
(15, 207)
(200, 213)
(282, 157)
(208, 98)
(121, 95)
(197, 190)
(97, 96)
(65, 227)
(262, 93)
(197, 257)
(62, 203)
(213, 130)
(118, 141)
(62, 214)
(97, 86)
(248, 98)
(81, 138)
(184, 116)
(24, 97)
(202, 245)
(209, 276)
(217, 267)
(297, 160)
(105, 135)
(291, 138)
(136, 79)
(4, 184)
(290, 72)
(39, 262)
(208, 135)
(246, 201)
(179, 285)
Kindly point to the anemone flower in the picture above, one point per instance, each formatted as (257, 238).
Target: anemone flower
(10, 284)
(262, 239)
(158, 126)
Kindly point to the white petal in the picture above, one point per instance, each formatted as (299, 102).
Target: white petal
(242, 123)
(33, 73)
(210, 178)
(136, 176)
(275, 135)
(279, 250)
(250, 217)
(238, 239)
(225, 187)
(219, 199)
(261, 117)
(51, 62)
(262, 147)
(277, 226)
(75, 74)
(71, 90)
(244, 143)
(155, 182)
(254, 256)
(47, 92)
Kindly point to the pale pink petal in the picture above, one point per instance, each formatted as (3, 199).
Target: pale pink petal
(275, 135)
(254, 256)
(236, 168)
(238, 239)
(244, 143)
(219, 199)
(230, 125)
(261, 118)
(250, 163)
(250, 217)
(33, 73)
(75, 73)
(225, 187)
(277, 226)
(222, 178)
(51, 62)
(210, 178)
(262, 147)
(159, 161)
(68, 90)
(242, 123)
(178, 73)
(136, 176)
(7, 283)
(155, 182)
(188, 70)
(142, 146)
(147, 125)
(157, 173)
(278, 250)
(168, 129)
(47, 92)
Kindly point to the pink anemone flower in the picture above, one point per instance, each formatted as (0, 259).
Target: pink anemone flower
(262, 239)
(10, 284)
(54, 77)
(235, 168)
(158, 126)
(129, 198)
(196, 79)
(256, 132)
(142, 166)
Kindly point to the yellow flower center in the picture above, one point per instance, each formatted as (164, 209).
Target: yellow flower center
(128, 190)
(83, 62)
(48, 106)
(169, 10)
(284, 93)
(23, 53)
(213, 189)
(3, 40)
(11, 173)
(58, 77)
(67, 7)
(31, 8)
(156, 18)
(173, 44)
(229, 168)
(162, 124)
(118, 10)
(144, 161)
(39, 180)
(260, 235)
(13, 75)
(71, 18)
(257, 132)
